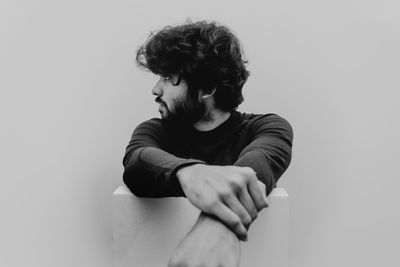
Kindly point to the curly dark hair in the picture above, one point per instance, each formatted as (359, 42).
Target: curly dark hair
(206, 55)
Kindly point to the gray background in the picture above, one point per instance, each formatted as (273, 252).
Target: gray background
(71, 96)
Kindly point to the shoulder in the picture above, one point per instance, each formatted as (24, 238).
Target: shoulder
(269, 123)
(259, 120)
(151, 123)
(151, 132)
(152, 126)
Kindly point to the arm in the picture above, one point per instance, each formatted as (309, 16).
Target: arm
(209, 243)
(230, 193)
(269, 154)
(236, 193)
(270, 149)
(150, 171)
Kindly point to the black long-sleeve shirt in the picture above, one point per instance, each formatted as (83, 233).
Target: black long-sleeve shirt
(157, 150)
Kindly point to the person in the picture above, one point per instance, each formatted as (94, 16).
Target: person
(223, 161)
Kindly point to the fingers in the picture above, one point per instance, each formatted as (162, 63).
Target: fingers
(248, 203)
(239, 209)
(263, 192)
(231, 220)
(257, 191)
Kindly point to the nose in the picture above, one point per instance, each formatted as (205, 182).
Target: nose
(157, 89)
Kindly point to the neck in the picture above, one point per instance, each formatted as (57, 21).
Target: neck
(211, 120)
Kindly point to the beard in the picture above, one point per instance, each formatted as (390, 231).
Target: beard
(186, 110)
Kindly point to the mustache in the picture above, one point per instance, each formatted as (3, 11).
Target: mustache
(158, 100)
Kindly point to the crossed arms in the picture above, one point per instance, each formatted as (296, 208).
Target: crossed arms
(228, 196)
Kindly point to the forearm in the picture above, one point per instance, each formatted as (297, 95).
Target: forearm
(149, 169)
(261, 165)
(212, 225)
(151, 172)
(208, 243)
(270, 151)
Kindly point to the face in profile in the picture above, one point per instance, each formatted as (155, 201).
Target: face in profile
(176, 104)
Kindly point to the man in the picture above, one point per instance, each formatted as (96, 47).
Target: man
(223, 161)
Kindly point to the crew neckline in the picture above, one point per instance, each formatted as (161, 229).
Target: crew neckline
(218, 131)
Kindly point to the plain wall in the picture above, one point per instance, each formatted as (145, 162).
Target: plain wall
(71, 96)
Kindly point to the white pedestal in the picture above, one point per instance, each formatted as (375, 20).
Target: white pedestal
(146, 231)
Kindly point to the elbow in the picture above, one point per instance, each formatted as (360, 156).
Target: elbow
(132, 182)
(140, 184)
(132, 175)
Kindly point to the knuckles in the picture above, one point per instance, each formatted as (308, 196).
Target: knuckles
(226, 193)
(210, 204)
(262, 186)
(248, 171)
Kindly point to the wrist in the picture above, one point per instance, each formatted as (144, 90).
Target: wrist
(215, 226)
(186, 171)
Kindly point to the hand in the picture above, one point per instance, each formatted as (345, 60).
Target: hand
(210, 243)
(231, 193)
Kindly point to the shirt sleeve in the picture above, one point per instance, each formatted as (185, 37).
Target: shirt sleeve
(149, 170)
(270, 149)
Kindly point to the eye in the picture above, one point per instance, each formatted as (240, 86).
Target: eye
(174, 79)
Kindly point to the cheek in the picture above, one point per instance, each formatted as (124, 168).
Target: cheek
(177, 98)
(174, 95)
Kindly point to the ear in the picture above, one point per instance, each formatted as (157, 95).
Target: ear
(205, 96)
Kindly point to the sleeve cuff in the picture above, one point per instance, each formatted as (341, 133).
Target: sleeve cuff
(172, 179)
